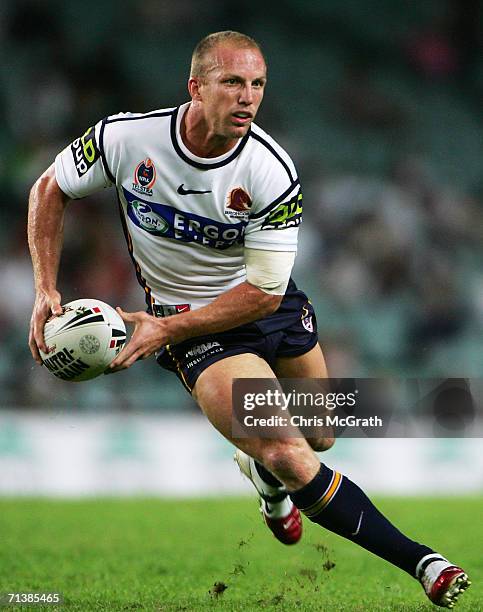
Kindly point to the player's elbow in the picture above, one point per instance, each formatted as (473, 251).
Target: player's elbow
(47, 185)
(267, 303)
(273, 303)
(45, 179)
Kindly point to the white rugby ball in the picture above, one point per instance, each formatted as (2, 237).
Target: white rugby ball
(83, 340)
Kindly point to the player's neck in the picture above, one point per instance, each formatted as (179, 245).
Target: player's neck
(196, 136)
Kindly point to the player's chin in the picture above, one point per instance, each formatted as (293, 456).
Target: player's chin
(238, 131)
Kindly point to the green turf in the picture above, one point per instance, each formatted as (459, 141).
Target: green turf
(167, 555)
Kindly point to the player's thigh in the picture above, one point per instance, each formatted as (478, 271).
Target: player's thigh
(213, 393)
(309, 365)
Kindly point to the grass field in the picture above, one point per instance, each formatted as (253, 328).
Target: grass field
(167, 555)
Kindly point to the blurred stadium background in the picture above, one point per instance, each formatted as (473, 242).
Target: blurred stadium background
(379, 104)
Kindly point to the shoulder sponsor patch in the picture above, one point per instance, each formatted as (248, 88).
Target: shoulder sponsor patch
(85, 151)
(287, 214)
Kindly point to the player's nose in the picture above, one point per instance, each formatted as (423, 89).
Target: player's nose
(246, 95)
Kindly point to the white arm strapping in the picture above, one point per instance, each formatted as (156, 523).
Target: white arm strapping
(269, 270)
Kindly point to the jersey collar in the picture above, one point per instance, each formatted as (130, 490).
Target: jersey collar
(203, 163)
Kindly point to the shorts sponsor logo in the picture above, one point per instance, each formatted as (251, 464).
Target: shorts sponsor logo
(200, 352)
(85, 152)
(199, 349)
(238, 204)
(288, 214)
(169, 222)
(144, 177)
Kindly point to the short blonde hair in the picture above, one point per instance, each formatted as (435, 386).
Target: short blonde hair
(237, 39)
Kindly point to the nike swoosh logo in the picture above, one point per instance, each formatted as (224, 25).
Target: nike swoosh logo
(182, 191)
(356, 532)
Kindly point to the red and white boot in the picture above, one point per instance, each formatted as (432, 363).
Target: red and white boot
(278, 510)
(443, 582)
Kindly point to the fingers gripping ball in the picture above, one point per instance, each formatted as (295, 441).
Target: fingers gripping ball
(83, 340)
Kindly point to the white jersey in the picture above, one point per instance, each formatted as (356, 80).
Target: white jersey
(186, 218)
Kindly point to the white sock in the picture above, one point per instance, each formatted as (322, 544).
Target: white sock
(279, 509)
(429, 574)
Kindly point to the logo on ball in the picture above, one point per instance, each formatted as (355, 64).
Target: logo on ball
(89, 344)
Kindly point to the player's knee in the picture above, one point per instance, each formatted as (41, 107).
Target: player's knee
(321, 444)
(281, 457)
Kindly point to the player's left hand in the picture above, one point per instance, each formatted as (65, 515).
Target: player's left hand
(149, 335)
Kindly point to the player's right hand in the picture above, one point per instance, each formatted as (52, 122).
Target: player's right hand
(46, 304)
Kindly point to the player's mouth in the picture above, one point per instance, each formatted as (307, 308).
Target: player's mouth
(241, 118)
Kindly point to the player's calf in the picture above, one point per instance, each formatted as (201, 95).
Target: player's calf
(336, 503)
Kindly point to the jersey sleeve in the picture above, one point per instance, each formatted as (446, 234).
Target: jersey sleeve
(80, 169)
(276, 211)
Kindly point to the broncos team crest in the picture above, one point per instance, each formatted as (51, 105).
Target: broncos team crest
(144, 177)
(238, 204)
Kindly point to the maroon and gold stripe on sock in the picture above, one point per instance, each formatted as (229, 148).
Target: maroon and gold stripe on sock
(326, 497)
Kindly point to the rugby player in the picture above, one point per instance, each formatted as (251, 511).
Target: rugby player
(210, 206)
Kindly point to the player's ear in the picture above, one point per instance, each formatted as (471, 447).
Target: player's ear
(194, 84)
